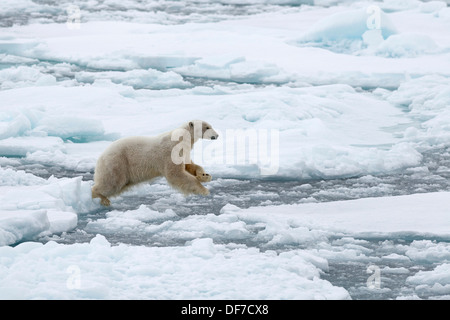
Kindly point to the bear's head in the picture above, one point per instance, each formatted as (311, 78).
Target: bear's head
(201, 130)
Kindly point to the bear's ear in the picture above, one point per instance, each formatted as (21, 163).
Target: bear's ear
(191, 124)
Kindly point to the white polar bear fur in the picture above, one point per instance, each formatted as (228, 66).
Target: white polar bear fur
(132, 160)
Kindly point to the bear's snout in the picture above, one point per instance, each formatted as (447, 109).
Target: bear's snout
(210, 134)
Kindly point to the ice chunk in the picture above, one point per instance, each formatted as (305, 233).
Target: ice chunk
(10, 177)
(428, 251)
(28, 212)
(73, 128)
(434, 282)
(426, 99)
(219, 61)
(132, 221)
(80, 157)
(203, 248)
(349, 25)
(407, 45)
(74, 195)
(36, 122)
(20, 225)
(138, 79)
(61, 221)
(416, 214)
(24, 76)
(399, 5)
(164, 62)
(195, 226)
(99, 241)
(235, 68)
(13, 124)
(20, 146)
(12, 59)
(444, 13)
(144, 214)
(257, 72)
(432, 6)
(372, 38)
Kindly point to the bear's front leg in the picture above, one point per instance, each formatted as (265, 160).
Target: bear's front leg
(198, 172)
(184, 181)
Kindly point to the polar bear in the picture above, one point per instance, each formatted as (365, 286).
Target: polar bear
(129, 161)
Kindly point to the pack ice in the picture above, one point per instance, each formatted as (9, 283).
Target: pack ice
(334, 152)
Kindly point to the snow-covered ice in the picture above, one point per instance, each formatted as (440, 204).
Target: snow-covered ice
(97, 270)
(333, 158)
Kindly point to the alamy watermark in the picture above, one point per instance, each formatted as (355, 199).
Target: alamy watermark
(373, 21)
(258, 147)
(73, 21)
(74, 279)
(374, 280)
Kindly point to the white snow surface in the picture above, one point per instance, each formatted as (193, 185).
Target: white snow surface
(199, 270)
(297, 90)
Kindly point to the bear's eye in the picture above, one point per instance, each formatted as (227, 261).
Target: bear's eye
(207, 128)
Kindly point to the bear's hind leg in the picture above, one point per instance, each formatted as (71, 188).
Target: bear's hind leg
(103, 200)
(109, 180)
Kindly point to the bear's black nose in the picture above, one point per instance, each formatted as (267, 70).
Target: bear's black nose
(213, 137)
